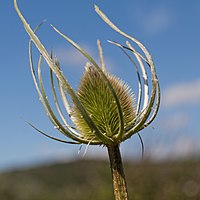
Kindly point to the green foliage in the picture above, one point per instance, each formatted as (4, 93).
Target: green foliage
(83, 180)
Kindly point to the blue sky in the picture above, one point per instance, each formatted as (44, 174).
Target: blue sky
(169, 29)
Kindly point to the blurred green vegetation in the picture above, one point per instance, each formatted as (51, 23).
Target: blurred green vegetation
(84, 180)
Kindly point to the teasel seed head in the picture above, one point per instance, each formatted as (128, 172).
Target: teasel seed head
(103, 109)
(96, 97)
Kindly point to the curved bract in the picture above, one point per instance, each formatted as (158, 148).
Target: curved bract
(103, 110)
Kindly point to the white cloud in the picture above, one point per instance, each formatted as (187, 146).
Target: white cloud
(69, 56)
(187, 93)
(185, 146)
(155, 20)
(181, 147)
(174, 122)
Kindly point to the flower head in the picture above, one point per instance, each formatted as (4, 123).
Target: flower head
(104, 110)
(96, 97)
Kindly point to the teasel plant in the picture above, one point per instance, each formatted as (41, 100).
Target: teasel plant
(104, 110)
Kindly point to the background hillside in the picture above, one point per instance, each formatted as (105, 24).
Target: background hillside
(83, 180)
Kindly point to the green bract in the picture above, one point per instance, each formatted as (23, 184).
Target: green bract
(104, 110)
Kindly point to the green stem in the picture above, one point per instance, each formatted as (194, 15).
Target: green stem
(118, 177)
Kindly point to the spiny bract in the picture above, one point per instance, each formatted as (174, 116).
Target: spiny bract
(97, 99)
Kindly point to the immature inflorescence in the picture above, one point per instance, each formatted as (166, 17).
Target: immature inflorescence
(104, 110)
(96, 97)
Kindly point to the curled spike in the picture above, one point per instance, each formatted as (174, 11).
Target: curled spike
(64, 82)
(51, 137)
(121, 130)
(103, 66)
